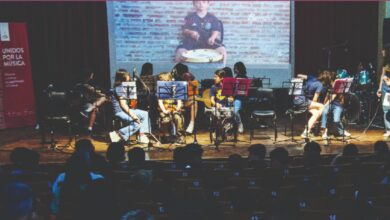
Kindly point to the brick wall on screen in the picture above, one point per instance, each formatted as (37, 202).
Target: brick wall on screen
(255, 32)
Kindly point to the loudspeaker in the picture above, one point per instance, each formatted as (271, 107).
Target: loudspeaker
(386, 31)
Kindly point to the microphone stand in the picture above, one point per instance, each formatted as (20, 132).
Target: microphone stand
(150, 145)
(193, 108)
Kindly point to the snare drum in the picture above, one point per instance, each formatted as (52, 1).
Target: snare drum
(202, 56)
(225, 112)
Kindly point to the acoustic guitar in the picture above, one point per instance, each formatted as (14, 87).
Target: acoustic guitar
(206, 99)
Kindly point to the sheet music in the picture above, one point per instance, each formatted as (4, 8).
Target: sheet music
(127, 88)
(342, 85)
(296, 86)
(386, 100)
(172, 90)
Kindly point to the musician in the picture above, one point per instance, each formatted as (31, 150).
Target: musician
(240, 71)
(217, 100)
(310, 102)
(138, 119)
(190, 104)
(334, 104)
(93, 98)
(201, 30)
(384, 85)
(171, 110)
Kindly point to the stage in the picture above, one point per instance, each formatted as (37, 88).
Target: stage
(31, 138)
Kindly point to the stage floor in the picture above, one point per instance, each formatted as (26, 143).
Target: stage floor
(31, 138)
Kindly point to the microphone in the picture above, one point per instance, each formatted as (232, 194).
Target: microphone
(173, 90)
(134, 73)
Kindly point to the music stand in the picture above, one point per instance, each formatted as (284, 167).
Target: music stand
(172, 90)
(340, 87)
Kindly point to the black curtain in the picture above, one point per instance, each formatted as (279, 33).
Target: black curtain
(63, 38)
(322, 24)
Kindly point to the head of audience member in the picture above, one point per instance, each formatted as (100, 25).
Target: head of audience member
(121, 75)
(136, 157)
(193, 154)
(115, 152)
(279, 157)
(141, 179)
(312, 154)
(235, 162)
(97, 162)
(350, 150)
(381, 151)
(78, 169)
(228, 71)
(256, 152)
(137, 215)
(240, 70)
(218, 76)
(17, 201)
(147, 69)
(179, 157)
(178, 70)
(25, 159)
(84, 145)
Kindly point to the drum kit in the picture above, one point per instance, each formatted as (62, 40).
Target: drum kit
(358, 102)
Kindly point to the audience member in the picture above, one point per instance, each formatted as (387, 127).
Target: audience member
(136, 158)
(69, 187)
(279, 158)
(193, 155)
(381, 152)
(312, 154)
(17, 202)
(116, 155)
(350, 151)
(24, 160)
(256, 156)
(98, 162)
(179, 157)
(235, 162)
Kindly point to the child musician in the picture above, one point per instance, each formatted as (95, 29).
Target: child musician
(217, 99)
(171, 110)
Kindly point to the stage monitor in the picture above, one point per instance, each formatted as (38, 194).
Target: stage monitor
(205, 35)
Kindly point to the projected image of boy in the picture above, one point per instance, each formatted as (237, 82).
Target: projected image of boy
(201, 30)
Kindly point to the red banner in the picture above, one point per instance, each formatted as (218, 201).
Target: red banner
(17, 101)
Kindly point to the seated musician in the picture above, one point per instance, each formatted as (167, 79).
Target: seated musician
(310, 101)
(93, 98)
(217, 100)
(335, 105)
(171, 110)
(138, 119)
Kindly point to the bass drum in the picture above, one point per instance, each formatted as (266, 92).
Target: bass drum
(352, 108)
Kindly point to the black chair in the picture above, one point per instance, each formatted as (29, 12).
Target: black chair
(56, 112)
(264, 108)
